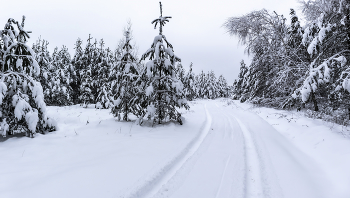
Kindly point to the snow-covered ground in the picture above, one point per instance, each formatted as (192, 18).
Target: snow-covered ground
(223, 149)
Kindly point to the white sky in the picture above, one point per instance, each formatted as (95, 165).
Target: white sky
(195, 30)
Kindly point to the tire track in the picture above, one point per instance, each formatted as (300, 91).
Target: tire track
(154, 184)
(268, 183)
(233, 175)
(218, 193)
(255, 184)
(253, 174)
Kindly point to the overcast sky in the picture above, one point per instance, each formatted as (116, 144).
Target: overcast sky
(195, 30)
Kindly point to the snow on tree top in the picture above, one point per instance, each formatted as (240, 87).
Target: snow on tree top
(157, 39)
(161, 20)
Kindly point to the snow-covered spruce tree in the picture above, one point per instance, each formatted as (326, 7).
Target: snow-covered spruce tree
(86, 96)
(195, 86)
(44, 61)
(94, 68)
(180, 72)
(213, 86)
(328, 43)
(23, 109)
(115, 69)
(104, 94)
(223, 90)
(124, 87)
(164, 91)
(239, 84)
(189, 85)
(208, 85)
(200, 84)
(78, 66)
(63, 76)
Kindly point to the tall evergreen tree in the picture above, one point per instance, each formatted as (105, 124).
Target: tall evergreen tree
(44, 61)
(164, 91)
(23, 109)
(62, 78)
(223, 90)
(327, 41)
(86, 95)
(79, 67)
(239, 86)
(124, 87)
(189, 85)
(104, 94)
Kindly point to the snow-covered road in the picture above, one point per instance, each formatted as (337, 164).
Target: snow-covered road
(241, 155)
(221, 151)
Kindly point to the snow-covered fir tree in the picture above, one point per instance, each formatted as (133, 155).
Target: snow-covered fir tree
(94, 69)
(104, 94)
(77, 63)
(200, 84)
(44, 61)
(222, 88)
(189, 85)
(124, 84)
(328, 44)
(62, 78)
(86, 96)
(164, 91)
(23, 109)
(239, 85)
(212, 86)
(180, 72)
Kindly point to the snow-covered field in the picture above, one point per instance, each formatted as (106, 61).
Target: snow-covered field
(223, 149)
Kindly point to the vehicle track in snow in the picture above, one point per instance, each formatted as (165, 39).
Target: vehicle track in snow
(259, 179)
(253, 180)
(151, 186)
(240, 174)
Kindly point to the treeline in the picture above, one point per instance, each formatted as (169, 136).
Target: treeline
(91, 75)
(296, 65)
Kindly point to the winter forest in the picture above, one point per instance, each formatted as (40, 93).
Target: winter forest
(297, 65)
(115, 79)
(166, 109)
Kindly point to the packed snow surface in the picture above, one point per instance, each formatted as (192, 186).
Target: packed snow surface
(223, 149)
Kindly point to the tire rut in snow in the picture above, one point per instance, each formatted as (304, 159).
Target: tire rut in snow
(218, 193)
(253, 178)
(269, 182)
(155, 183)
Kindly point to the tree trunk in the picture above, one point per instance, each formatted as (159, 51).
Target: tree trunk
(313, 98)
(159, 95)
